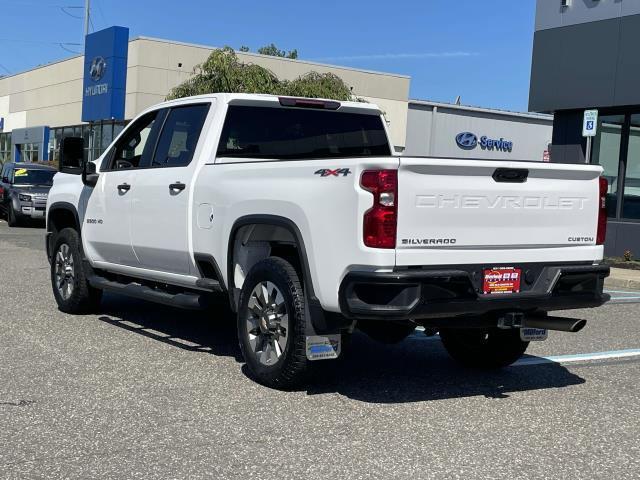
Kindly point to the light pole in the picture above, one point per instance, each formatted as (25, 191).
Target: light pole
(87, 12)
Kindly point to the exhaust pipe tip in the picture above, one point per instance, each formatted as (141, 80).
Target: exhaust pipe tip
(572, 325)
(577, 326)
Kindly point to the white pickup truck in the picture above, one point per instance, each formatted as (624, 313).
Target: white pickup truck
(298, 211)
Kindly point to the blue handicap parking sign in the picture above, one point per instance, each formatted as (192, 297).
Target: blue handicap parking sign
(590, 125)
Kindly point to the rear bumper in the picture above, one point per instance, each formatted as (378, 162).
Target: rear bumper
(430, 294)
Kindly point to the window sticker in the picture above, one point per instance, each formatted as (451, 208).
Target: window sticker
(21, 172)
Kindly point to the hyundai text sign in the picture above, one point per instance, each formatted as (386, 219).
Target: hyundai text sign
(469, 141)
(590, 123)
(105, 74)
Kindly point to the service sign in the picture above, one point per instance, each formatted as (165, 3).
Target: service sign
(105, 74)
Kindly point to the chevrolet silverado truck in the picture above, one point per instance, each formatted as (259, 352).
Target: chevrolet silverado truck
(299, 213)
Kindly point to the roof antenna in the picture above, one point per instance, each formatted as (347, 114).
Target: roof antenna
(458, 100)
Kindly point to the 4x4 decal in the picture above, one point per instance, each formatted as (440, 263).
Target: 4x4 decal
(327, 172)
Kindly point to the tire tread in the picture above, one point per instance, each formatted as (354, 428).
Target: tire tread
(84, 298)
(294, 369)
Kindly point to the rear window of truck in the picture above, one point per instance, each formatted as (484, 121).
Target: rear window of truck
(295, 133)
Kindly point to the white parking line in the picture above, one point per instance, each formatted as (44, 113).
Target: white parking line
(560, 359)
(583, 357)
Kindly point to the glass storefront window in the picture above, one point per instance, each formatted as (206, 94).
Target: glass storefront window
(631, 195)
(96, 137)
(107, 135)
(606, 152)
(5, 148)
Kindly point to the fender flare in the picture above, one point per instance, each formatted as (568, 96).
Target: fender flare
(278, 221)
(56, 206)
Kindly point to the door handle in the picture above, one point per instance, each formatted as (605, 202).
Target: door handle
(177, 187)
(124, 187)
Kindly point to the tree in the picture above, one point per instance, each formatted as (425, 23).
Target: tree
(276, 52)
(224, 72)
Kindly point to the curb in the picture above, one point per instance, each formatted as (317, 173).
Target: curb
(610, 282)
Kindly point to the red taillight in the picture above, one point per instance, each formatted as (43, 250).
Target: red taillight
(380, 221)
(602, 212)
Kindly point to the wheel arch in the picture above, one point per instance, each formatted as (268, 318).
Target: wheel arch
(61, 215)
(280, 224)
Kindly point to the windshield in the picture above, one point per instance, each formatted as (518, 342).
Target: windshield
(26, 176)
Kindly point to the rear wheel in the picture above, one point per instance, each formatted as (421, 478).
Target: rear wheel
(68, 279)
(484, 348)
(271, 324)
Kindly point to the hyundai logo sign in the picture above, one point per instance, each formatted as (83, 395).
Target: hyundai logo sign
(467, 140)
(104, 81)
(97, 68)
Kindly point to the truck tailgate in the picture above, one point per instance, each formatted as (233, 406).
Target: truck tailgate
(449, 211)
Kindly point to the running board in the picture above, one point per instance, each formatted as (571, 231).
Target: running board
(190, 301)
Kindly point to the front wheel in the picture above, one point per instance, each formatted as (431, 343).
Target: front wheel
(271, 324)
(68, 279)
(12, 219)
(484, 348)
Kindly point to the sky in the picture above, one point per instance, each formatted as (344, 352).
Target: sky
(479, 50)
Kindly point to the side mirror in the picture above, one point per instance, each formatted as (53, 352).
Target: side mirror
(89, 175)
(71, 155)
(5, 179)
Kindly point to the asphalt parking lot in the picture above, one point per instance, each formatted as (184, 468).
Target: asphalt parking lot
(142, 391)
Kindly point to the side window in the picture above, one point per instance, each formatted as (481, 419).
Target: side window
(135, 147)
(180, 136)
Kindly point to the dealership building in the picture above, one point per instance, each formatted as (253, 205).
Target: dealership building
(585, 56)
(46, 103)
(94, 95)
(438, 129)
